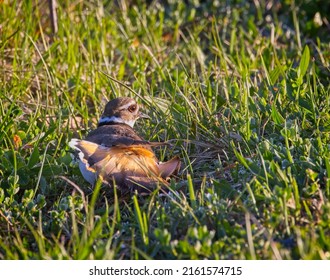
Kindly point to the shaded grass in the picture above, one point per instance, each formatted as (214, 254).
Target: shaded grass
(241, 90)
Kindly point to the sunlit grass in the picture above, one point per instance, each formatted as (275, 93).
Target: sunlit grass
(241, 91)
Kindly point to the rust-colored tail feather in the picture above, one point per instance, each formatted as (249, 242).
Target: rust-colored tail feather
(166, 169)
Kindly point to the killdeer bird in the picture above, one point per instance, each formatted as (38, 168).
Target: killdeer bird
(116, 154)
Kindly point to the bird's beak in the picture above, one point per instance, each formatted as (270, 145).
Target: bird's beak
(143, 116)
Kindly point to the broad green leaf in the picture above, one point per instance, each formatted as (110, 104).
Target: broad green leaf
(274, 74)
(34, 158)
(51, 170)
(276, 116)
(2, 195)
(21, 134)
(327, 165)
(304, 62)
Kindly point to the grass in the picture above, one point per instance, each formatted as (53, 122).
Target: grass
(242, 90)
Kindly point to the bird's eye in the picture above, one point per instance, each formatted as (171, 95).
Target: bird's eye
(132, 108)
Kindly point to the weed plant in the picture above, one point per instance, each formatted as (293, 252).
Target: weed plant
(240, 88)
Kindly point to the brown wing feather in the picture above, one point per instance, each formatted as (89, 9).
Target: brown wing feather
(128, 166)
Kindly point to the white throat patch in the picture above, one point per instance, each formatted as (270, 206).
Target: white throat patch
(116, 120)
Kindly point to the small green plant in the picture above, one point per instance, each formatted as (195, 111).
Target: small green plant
(239, 88)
